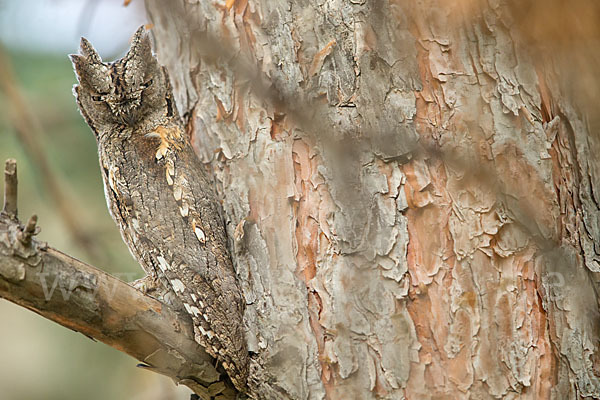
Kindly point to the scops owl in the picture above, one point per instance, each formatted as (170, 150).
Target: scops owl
(160, 196)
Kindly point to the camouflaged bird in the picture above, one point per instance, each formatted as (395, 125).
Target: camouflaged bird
(159, 195)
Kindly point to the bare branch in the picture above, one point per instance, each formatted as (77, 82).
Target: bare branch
(102, 307)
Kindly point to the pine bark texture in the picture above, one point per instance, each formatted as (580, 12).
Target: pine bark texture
(412, 203)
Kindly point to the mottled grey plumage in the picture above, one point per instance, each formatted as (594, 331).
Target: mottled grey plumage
(159, 195)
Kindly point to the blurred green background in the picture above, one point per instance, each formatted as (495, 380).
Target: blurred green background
(40, 359)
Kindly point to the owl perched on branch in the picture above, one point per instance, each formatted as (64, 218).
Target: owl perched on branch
(160, 196)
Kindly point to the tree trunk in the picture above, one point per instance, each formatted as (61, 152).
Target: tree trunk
(409, 193)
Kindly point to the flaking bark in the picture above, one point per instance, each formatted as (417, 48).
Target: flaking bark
(411, 203)
(411, 197)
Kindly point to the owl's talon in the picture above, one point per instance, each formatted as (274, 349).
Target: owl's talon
(151, 286)
(146, 284)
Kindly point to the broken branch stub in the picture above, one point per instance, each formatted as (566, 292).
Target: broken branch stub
(10, 188)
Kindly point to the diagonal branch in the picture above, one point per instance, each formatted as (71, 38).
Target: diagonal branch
(98, 305)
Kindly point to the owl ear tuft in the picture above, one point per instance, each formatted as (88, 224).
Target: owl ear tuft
(139, 58)
(87, 50)
(89, 66)
(91, 70)
(141, 47)
(79, 65)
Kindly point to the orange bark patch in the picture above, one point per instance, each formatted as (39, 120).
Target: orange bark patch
(229, 4)
(306, 210)
(477, 315)
(311, 242)
(534, 200)
(222, 114)
(319, 58)
(278, 126)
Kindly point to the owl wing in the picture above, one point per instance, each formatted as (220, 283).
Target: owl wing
(176, 232)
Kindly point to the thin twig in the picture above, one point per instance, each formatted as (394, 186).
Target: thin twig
(29, 231)
(10, 188)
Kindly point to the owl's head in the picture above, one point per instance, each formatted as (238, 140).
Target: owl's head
(126, 92)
